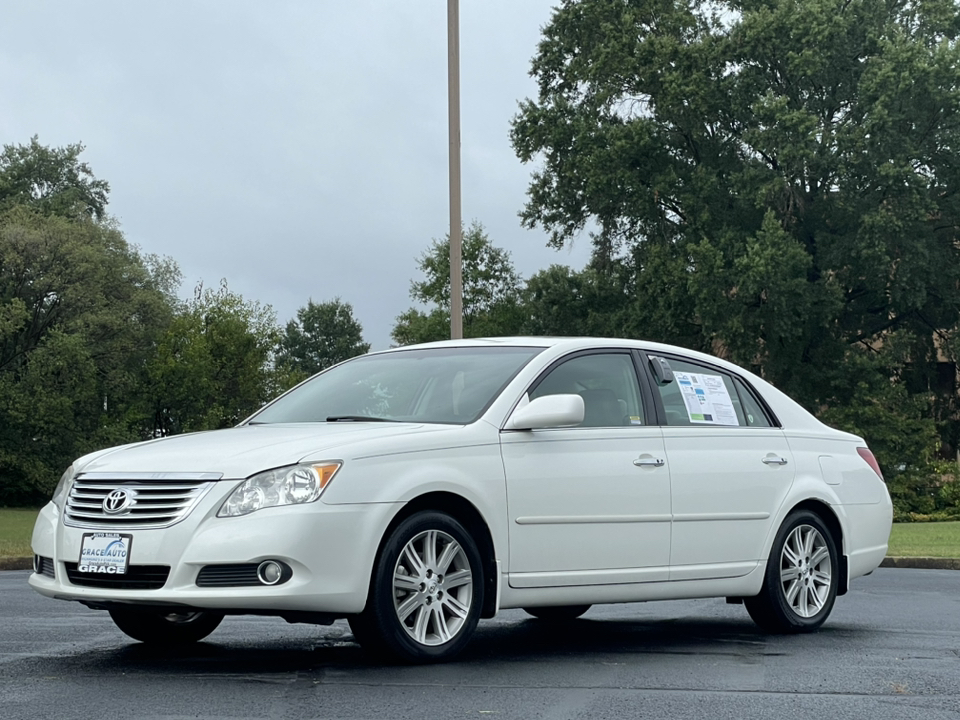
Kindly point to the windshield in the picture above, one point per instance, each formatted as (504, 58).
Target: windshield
(442, 385)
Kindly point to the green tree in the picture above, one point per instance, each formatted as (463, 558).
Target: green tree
(51, 180)
(323, 334)
(775, 181)
(213, 365)
(95, 348)
(564, 302)
(491, 292)
(79, 312)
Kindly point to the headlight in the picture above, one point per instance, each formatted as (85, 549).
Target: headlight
(63, 487)
(292, 485)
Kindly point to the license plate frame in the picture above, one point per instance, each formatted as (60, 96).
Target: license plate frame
(106, 553)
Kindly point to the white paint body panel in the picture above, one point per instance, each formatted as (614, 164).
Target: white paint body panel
(578, 504)
(725, 498)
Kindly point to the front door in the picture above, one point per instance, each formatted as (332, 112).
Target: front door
(589, 504)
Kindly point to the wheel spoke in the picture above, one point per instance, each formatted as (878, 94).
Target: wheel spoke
(416, 564)
(456, 607)
(815, 600)
(802, 601)
(791, 592)
(422, 624)
(406, 583)
(822, 578)
(430, 541)
(440, 624)
(821, 554)
(408, 606)
(790, 573)
(808, 538)
(458, 578)
(791, 555)
(448, 556)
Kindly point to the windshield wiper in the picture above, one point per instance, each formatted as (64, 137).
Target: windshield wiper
(357, 418)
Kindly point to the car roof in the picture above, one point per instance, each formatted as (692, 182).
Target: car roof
(788, 411)
(571, 344)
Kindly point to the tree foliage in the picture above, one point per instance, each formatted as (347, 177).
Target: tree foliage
(560, 301)
(322, 335)
(212, 366)
(51, 180)
(491, 292)
(774, 181)
(79, 312)
(95, 348)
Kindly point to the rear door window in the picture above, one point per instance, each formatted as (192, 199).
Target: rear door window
(700, 395)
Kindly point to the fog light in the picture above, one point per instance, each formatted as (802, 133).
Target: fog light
(270, 572)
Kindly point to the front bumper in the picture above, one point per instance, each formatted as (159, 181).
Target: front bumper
(330, 548)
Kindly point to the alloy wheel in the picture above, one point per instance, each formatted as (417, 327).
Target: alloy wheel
(433, 588)
(806, 572)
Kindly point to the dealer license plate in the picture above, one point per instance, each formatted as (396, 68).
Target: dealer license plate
(105, 553)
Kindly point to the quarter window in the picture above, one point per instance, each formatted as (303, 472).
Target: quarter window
(752, 410)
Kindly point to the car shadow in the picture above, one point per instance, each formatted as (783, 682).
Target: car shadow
(267, 658)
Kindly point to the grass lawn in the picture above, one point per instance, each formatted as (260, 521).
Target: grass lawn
(940, 539)
(936, 539)
(16, 526)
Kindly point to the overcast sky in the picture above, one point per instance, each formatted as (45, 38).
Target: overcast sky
(297, 149)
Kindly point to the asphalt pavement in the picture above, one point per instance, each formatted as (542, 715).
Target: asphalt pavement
(890, 650)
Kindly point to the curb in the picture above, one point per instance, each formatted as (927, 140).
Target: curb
(922, 563)
(22, 563)
(916, 563)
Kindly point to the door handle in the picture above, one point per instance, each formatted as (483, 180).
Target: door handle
(774, 460)
(648, 461)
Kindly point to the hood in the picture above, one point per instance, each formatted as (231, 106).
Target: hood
(243, 451)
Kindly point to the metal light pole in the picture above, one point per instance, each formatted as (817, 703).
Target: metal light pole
(453, 100)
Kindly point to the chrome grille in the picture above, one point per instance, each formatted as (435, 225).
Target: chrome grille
(147, 500)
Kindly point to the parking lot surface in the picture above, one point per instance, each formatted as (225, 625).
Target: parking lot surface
(891, 649)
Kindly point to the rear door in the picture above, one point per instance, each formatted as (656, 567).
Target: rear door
(730, 469)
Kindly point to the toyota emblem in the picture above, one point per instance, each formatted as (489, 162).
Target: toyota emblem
(117, 501)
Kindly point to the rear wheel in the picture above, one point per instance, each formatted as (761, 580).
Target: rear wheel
(426, 591)
(557, 613)
(159, 627)
(800, 585)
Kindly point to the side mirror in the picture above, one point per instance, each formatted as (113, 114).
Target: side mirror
(661, 370)
(549, 411)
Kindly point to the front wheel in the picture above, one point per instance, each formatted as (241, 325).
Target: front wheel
(426, 591)
(159, 627)
(800, 585)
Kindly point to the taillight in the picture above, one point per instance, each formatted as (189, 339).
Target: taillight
(871, 460)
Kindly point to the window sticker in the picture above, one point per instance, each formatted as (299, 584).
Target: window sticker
(706, 398)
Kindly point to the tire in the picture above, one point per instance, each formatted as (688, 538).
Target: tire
(426, 591)
(158, 627)
(557, 613)
(801, 581)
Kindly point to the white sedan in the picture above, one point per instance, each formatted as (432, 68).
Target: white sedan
(418, 490)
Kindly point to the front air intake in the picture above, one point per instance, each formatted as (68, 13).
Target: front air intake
(268, 572)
